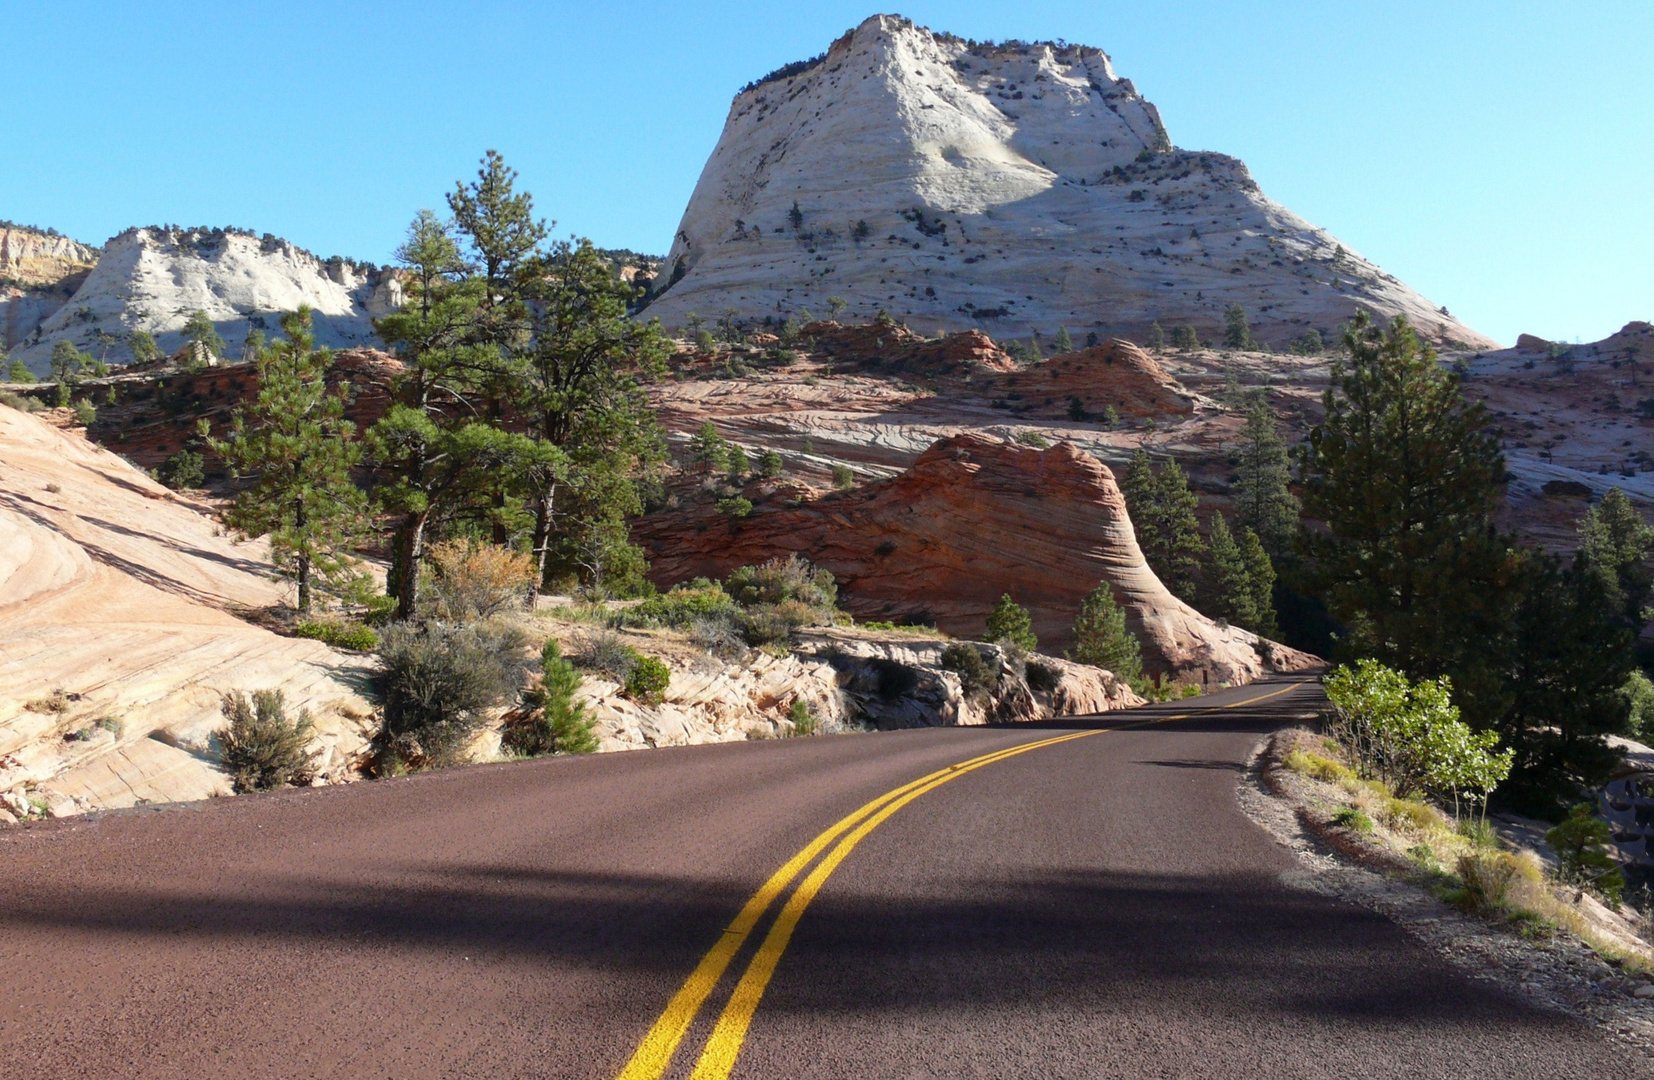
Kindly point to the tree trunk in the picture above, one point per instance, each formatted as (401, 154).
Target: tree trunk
(542, 532)
(410, 551)
(300, 520)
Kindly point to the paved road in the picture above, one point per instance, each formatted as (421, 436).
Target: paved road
(1092, 907)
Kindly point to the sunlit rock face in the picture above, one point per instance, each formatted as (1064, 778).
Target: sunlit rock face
(1014, 187)
(152, 279)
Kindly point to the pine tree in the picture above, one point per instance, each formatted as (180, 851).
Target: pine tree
(1260, 576)
(1102, 639)
(68, 362)
(1062, 343)
(1010, 623)
(499, 224)
(18, 372)
(202, 335)
(298, 450)
(1264, 501)
(1237, 332)
(144, 349)
(1407, 476)
(1162, 511)
(1228, 578)
(1617, 543)
(709, 450)
(1157, 336)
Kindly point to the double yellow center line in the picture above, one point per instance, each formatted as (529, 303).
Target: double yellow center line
(654, 1054)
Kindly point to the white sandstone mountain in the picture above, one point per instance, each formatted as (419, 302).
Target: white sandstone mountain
(1013, 187)
(152, 279)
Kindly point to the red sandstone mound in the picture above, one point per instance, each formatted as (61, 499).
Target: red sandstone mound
(896, 347)
(973, 518)
(1114, 374)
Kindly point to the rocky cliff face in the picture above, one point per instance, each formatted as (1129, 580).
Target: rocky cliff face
(973, 518)
(152, 279)
(1014, 187)
(38, 272)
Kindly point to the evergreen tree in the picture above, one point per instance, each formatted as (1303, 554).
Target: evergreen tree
(1010, 623)
(1062, 343)
(501, 228)
(1157, 336)
(1407, 477)
(1185, 337)
(709, 450)
(68, 362)
(581, 383)
(18, 372)
(770, 464)
(298, 450)
(1102, 639)
(1264, 501)
(144, 349)
(1237, 332)
(1617, 543)
(1260, 575)
(200, 333)
(1162, 511)
(1229, 589)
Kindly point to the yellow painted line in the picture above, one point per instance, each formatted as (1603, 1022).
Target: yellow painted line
(654, 1054)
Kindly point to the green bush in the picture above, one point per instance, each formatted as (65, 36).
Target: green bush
(770, 464)
(1034, 439)
(1639, 693)
(1010, 624)
(262, 748)
(20, 402)
(1354, 820)
(559, 723)
(1581, 846)
(781, 580)
(843, 477)
(438, 682)
(86, 414)
(976, 679)
(735, 506)
(683, 605)
(648, 679)
(339, 635)
(1317, 767)
(185, 469)
(1486, 878)
(804, 721)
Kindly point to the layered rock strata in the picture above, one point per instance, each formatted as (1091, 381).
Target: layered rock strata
(1014, 187)
(974, 518)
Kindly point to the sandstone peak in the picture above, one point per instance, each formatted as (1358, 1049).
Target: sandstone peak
(1010, 186)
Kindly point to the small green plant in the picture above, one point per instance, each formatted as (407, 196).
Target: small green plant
(339, 635)
(1033, 438)
(261, 747)
(1077, 410)
(648, 679)
(1581, 846)
(185, 469)
(976, 679)
(1317, 767)
(1010, 624)
(843, 477)
(770, 464)
(736, 506)
(559, 722)
(1354, 820)
(1479, 832)
(803, 718)
(86, 414)
(1424, 857)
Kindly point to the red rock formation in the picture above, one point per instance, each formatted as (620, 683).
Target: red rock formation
(896, 347)
(1114, 374)
(975, 517)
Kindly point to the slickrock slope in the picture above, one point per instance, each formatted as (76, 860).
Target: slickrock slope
(973, 518)
(1014, 187)
(114, 605)
(1114, 375)
(153, 279)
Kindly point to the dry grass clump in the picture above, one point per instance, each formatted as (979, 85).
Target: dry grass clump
(55, 702)
(470, 581)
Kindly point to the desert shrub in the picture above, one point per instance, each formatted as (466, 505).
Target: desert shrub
(735, 506)
(781, 580)
(719, 635)
(261, 747)
(559, 723)
(1410, 736)
(86, 414)
(55, 702)
(1486, 879)
(469, 581)
(1581, 846)
(1412, 815)
(438, 682)
(1010, 624)
(339, 635)
(683, 605)
(185, 469)
(1034, 439)
(976, 679)
(606, 652)
(1354, 820)
(804, 721)
(770, 464)
(1317, 767)
(648, 679)
(20, 402)
(1042, 677)
(843, 477)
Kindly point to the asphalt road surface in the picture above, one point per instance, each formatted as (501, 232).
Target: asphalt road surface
(1094, 906)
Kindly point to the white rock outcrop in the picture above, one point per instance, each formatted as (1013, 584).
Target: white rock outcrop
(1012, 187)
(152, 279)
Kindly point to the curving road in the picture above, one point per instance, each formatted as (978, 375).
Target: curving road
(1094, 906)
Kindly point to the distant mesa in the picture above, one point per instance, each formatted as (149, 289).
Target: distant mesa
(1011, 187)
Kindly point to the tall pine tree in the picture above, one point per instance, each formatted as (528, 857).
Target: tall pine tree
(1162, 509)
(1262, 491)
(296, 446)
(1102, 639)
(1616, 544)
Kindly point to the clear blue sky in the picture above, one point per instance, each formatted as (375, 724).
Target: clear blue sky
(1499, 156)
